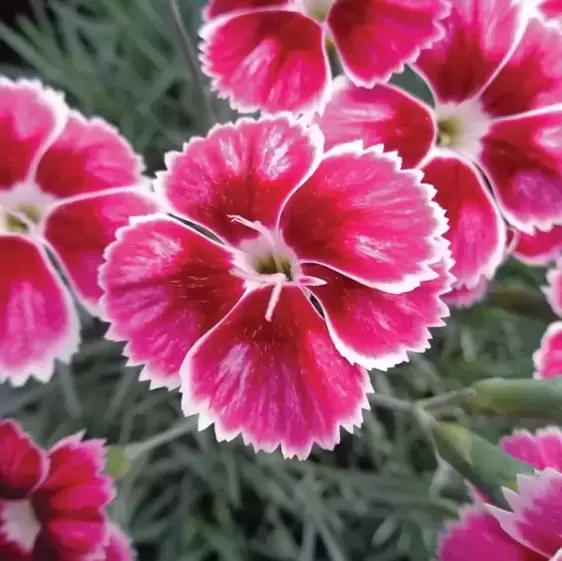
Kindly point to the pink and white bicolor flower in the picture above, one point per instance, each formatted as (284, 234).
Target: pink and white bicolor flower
(272, 55)
(492, 144)
(232, 320)
(52, 503)
(531, 530)
(539, 248)
(548, 358)
(66, 184)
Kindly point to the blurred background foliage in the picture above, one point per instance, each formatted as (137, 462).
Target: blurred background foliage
(380, 495)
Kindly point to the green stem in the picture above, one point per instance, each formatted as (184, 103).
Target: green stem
(446, 400)
(189, 52)
(186, 426)
(521, 300)
(391, 403)
(69, 391)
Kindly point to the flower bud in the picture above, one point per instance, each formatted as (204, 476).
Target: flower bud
(486, 466)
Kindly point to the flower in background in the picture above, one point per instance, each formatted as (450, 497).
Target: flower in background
(492, 145)
(531, 530)
(52, 503)
(548, 358)
(66, 184)
(539, 248)
(234, 321)
(273, 54)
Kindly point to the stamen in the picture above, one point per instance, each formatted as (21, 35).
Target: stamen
(279, 281)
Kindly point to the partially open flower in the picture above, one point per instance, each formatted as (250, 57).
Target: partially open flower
(492, 145)
(273, 54)
(66, 184)
(237, 321)
(52, 503)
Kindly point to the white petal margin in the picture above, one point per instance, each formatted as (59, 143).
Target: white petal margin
(439, 251)
(51, 98)
(155, 378)
(312, 132)
(67, 345)
(531, 488)
(193, 406)
(553, 291)
(554, 330)
(389, 360)
(207, 33)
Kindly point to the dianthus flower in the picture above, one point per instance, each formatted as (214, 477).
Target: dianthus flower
(539, 248)
(66, 184)
(273, 54)
(52, 503)
(492, 143)
(531, 530)
(234, 317)
(548, 359)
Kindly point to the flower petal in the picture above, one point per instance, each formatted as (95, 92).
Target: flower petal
(376, 329)
(272, 59)
(247, 169)
(536, 518)
(478, 536)
(532, 76)
(539, 248)
(79, 231)
(375, 38)
(71, 501)
(541, 450)
(38, 322)
(461, 296)
(278, 382)
(476, 230)
(88, 156)
(9, 549)
(551, 9)
(554, 289)
(523, 159)
(31, 117)
(215, 8)
(360, 215)
(548, 358)
(379, 115)
(165, 286)
(118, 547)
(22, 465)
(478, 36)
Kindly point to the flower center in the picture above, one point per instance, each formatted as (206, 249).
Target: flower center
(19, 523)
(317, 9)
(448, 132)
(460, 127)
(21, 219)
(266, 260)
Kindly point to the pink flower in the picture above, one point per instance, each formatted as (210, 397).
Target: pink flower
(548, 358)
(273, 54)
(232, 320)
(539, 248)
(52, 504)
(492, 145)
(551, 10)
(66, 184)
(531, 530)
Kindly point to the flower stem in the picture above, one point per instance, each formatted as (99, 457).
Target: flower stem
(521, 300)
(185, 426)
(392, 403)
(189, 52)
